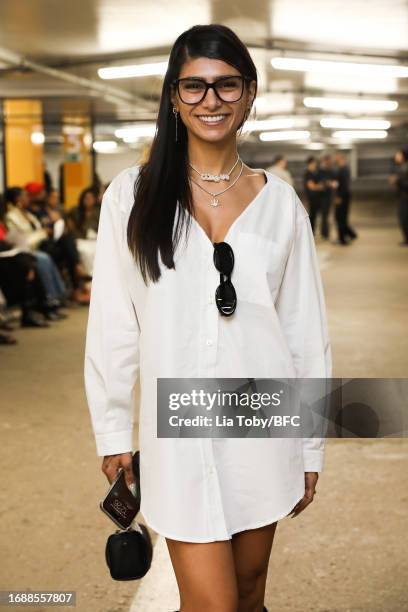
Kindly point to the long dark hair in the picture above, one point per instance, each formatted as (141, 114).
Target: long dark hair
(163, 179)
(81, 204)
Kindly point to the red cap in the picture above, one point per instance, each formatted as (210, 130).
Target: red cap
(34, 188)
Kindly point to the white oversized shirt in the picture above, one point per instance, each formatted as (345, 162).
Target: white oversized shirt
(206, 489)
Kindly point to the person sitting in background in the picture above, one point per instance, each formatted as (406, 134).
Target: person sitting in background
(314, 188)
(36, 201)
(61, 246)
(26, 232)
(83, 221)
(280, 168)
(20, 282)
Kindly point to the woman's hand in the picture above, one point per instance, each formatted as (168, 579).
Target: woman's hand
(111, 465)
(310, 490)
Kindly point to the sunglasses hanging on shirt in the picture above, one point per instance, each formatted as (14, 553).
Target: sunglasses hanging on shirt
(225, 295)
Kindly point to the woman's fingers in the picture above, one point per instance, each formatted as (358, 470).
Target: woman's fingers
(111, 465)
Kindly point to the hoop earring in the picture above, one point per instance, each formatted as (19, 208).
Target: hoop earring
(175, 112)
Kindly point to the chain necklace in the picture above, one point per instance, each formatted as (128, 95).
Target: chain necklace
(206, 176)
(215, 201)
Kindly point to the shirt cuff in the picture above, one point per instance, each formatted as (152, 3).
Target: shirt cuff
(114, 443)
(313, 460)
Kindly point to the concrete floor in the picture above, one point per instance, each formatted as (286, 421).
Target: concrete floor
(346, 552)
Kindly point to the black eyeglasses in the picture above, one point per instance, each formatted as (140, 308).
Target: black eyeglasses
(192, 90)
(225, 296)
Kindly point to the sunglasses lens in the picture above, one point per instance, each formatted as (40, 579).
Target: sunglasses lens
(226, 298)
(223, 258)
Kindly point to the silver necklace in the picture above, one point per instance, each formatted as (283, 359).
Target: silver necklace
(206, 176)
(215, 201)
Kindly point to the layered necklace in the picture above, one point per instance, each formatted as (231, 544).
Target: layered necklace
(206, 176)
(217, 178)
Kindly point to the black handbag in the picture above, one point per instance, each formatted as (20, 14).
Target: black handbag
(128, 551)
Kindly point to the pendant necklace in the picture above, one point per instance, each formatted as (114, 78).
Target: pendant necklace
(206, 176)
(215, 201)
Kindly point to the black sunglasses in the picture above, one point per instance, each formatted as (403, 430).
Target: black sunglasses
(192, 90)
(225, 295)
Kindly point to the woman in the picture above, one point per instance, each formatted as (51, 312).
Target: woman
(82, 221)
(160, 304)
(26, 232)
(19, 279)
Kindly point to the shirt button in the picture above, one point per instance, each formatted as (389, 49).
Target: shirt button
(208, 342)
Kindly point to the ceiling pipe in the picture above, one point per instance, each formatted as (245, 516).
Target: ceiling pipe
(108, 91)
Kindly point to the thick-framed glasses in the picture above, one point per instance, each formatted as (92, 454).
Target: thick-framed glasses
(192, 90)
(225, 295)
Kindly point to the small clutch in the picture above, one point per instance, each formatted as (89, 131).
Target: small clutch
(129, 553)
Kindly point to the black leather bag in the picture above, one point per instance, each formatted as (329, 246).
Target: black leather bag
(129, 553)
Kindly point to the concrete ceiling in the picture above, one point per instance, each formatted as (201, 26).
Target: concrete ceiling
(80, 36)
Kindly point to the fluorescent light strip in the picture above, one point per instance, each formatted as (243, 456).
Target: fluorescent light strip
(284, 135)
(350, 104)
(136, 70)
(359, 134)
(268, 124)
(356, 124)
(105, 146)
(333, 67)
(131, 134)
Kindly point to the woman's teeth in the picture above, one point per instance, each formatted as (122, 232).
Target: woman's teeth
(211, 118)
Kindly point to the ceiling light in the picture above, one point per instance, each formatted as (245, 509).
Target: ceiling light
(268, 124)
(356, 134)
(131, 134)
(37, 138)
(355, 124)
(136, 70)
(333, 67)
(351, 104)
(284, 135)
(105, 146)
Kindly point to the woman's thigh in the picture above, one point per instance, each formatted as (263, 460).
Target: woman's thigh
(251, 550)
(205, 575)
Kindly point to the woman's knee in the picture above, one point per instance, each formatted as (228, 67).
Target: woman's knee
(251, 583)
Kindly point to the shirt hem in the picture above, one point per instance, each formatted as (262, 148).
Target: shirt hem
(256, 525)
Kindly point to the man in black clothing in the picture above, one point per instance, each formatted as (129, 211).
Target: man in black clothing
(399, 178)
(342, 200)
(313, 189)
(327, 176)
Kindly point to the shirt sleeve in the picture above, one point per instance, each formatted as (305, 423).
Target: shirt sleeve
(111, 364)
(300, 306)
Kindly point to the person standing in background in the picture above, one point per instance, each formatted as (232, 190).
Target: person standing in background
(313, 189)
(342, 200)
(399, 178)
(280, 168)
(327, 176)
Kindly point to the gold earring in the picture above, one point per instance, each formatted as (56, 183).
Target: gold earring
(175, 112)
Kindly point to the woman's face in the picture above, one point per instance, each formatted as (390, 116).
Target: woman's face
(212, 119)
(89, 200)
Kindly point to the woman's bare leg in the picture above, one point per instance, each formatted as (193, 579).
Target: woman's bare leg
(205, 575)
(251, 550)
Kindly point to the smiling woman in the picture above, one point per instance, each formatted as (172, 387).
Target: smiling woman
(241, 297)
